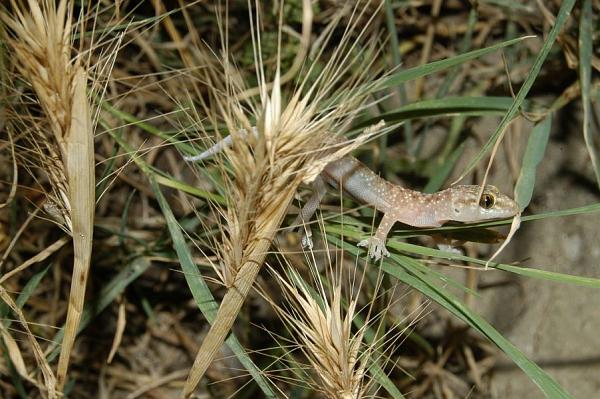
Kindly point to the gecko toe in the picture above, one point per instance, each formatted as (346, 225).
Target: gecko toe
(376, 247)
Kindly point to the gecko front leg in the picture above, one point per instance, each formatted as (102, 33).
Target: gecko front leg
(309, 209)
(376, 243)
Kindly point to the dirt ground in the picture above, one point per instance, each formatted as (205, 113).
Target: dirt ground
(554, 324)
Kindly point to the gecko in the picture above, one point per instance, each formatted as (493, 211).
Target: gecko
(461, 203)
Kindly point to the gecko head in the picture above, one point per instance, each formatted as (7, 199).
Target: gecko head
(469, 206)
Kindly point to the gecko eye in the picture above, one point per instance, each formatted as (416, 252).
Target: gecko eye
(487, 201)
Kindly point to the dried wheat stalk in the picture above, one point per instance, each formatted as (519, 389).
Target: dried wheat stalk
(40, 38)
(295, 141)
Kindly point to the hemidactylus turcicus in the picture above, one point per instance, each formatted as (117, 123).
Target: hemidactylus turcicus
(398, 204)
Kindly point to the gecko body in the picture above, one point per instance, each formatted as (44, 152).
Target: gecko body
(398, 204)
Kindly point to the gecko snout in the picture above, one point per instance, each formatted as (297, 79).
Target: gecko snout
(505, 207)
(469, 206)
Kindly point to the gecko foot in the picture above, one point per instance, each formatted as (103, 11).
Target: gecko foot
(450, 248)
(307, 242)
(376, 247)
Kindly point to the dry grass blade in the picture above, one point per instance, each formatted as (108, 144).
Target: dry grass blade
(43, 366)
(40, 37)
(14, 353)
(52, 248)
(80, 169)
(295, 141)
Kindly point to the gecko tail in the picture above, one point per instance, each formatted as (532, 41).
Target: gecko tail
(226, 142)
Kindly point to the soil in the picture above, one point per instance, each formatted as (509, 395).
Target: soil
(554, 324)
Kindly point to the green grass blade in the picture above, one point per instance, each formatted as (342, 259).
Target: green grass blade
(464, 47)
(454, 305)
(561, 18)
(477, 105)
(528, 272)
(394, 45)
(164, 179)
(145, 126)
(24, 295)
(382, 379)
(198, 286)
(453, 137)
(585, 78)
(563, 212)
(436, 253)
(534, 153)
(403, 268)
(472, 106)
(31, 286)
(443, 171)
(171, 182)
(200, 291)
(397, 60)
(398, 78)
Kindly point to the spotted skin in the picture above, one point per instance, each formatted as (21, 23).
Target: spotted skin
(398, 204)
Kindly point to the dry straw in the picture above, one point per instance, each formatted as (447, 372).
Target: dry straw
(296, 139)
(323, 331)
(40, 41)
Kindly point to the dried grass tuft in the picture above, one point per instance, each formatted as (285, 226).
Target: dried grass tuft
(40, 36)
(322, 330)
(296, 139)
